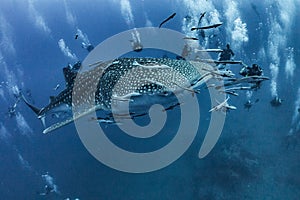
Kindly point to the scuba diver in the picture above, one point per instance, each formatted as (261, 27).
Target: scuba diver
(276, 102)
(249, 104)
(49, 187)
(88, 47)
(226, 54)
(47, 190)
(255, 70)
(136, 46)
(12, 109)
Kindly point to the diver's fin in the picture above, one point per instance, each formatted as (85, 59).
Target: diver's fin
(57, 125)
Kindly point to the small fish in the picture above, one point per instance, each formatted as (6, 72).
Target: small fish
(206, 27)
(125, 97)
(190, 38)
(171, 107)
(238, 88)
(255, 10)
(76, 36)
(56, 87)
(96, 63)
(193, 91)
(209, 50)
(170, 17)
(231, 93)
(223, 73)
(228, 62)
(201, 16)
(220, 62)
(224, 106)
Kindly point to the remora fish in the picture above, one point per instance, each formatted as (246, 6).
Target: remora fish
(170, 17)
(209, 50)
(118, 78)
(207, 27)
(201, 16)
(190, 38)
(221, 62)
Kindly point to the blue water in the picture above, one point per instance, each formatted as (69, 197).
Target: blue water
(255, 157)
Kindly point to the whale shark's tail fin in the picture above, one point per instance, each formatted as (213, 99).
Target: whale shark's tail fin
(36, 110)
(32, 107)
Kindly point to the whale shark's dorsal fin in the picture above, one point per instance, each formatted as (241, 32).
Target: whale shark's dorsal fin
(69, 76)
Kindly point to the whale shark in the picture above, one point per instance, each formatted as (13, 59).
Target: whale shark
(104, 84)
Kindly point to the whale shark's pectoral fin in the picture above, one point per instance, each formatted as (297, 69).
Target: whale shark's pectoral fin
(43, 120)
(57, 125)
(70, 120)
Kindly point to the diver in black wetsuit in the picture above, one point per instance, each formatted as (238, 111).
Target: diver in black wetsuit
(47, 190)
(12, 109)
(276, 102)
(88, 47)
(226, 54)
(255, 70)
